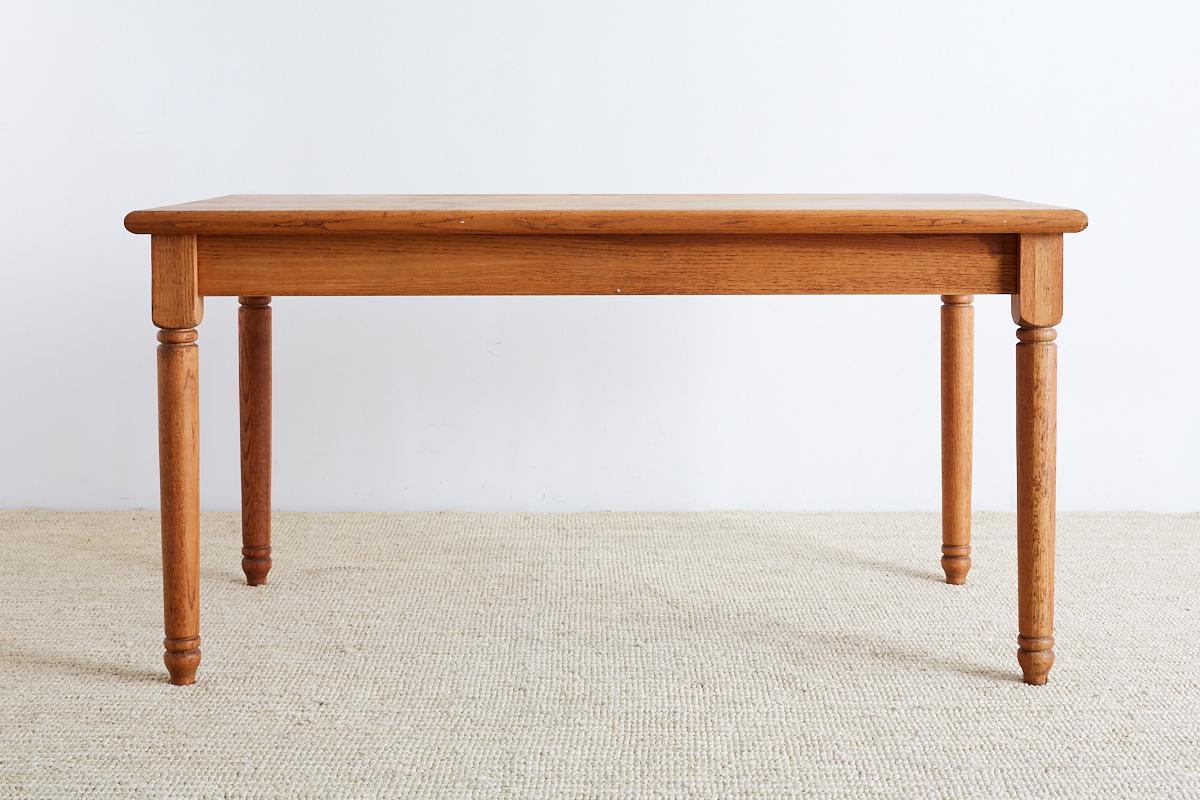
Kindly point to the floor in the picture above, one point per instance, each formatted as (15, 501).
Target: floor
(721, 655)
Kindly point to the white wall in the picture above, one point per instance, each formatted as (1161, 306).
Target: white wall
(586, 403)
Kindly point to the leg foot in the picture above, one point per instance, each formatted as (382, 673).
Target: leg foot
(1035, 656)
(182, 657)
(256, 563)
(956, 563)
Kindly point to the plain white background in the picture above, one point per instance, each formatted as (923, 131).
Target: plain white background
(598, 403)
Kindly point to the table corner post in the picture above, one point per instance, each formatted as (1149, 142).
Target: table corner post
(1036, 309)
(177, 309)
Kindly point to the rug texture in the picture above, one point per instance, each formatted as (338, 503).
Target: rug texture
(726, 655)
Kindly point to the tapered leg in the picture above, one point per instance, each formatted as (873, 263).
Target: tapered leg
(958, 345)
(1036, 431)
(254, 361)
(179, 481)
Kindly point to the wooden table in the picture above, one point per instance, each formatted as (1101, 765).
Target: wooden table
(254, 247)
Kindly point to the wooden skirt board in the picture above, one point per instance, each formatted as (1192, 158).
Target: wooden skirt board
(658, 264)
(256, 247)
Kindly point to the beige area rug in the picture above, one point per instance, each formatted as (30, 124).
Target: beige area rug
(598, 656)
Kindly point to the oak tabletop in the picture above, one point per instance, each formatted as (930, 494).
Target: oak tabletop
(609, 213)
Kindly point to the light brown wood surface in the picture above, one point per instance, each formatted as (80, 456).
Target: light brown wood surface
(617, 264)
(179, 483)
(958, 355)
(601, 214)
(254, 403)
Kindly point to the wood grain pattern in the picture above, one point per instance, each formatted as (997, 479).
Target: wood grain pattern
(254, 403)
(175, 300)
(958, 355)
(307, 215)
(179, 482)
(582, 265)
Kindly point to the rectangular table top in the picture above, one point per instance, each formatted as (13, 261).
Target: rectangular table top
(607, 214)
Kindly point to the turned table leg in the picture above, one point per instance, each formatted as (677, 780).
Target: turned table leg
(179, 482)
(254, 372)
(1036, 378)
(1036, 310)
(958, 317)
(177, 309)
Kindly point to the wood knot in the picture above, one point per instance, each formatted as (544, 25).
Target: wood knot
(958, 299)
(1033, 335)
(254, 302)
(178, 336)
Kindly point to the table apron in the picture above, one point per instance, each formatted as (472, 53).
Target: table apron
(542, 264)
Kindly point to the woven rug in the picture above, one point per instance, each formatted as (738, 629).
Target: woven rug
(598, 656)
